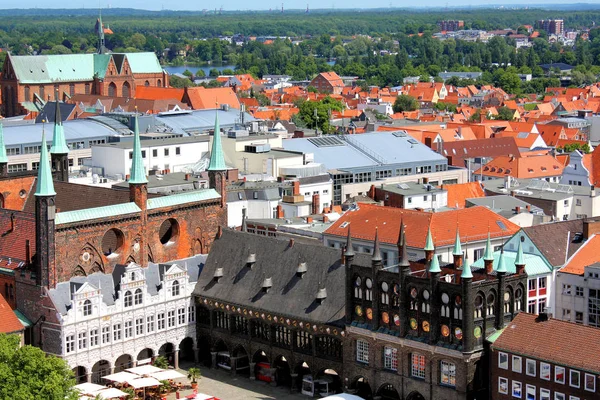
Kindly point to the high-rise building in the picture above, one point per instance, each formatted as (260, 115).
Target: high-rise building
(553, 26)
(451, 25)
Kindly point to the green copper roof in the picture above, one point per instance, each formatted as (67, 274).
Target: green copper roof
(217, 160)
(182, 198)
(466, 270)
(143, 63)
(87, 214)
(488, 255)
(457, 249)
(534, 264)
(59, 144)
(3, 156)
(429, 240)
(501, 265)
(138, 173)
(520, 260)
(101, 64)
(434, 265)
(45, 186)
(494, 336)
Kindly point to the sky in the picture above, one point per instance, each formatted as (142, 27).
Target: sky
(266, 4)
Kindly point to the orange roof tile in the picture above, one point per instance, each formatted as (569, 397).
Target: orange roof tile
(460, 192)
(201, 98)
(473, 225)
(10, 322)
(539, 166)
(587, 255)
(158, 93)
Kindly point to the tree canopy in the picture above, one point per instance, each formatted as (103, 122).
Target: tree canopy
(27, 373)
(405, 102)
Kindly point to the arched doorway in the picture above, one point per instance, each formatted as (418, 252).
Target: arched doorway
(167, 350)
(204, 357)
(262, 366)
(360, 386)
(283, 376)
(387, 391)
(305, 380)
(186, 350)
(328, 382)
(223, 356)
(80, 374)
(123, 362)
(145, 356)
(415, 396)
(126, 90)
(112, 89)
(242, 363)
(100, 369)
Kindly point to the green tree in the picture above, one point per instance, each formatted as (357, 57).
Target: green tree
(200, 73)
(317, 113)
(505, 114)
(510, 82)
(29, 373)
(405, 102)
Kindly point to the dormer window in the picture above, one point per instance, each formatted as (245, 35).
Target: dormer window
(138, 297)
(132, 277)
(128, 299)
(87, 308)
(175, 288)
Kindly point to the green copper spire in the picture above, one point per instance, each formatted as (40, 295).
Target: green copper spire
(434, 265)
(457, 249)
(217, 160)
(138, 174)
(520, 260)
(488, 255)
(59, 144)
(3, 156)
(501, 263)
(429, 240)
(45, 186)
(466, 269)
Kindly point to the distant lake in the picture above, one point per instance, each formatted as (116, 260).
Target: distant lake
(193, 68)
(206, 68)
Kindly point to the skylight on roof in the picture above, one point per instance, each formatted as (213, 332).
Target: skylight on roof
(326, 141)
(501, 225)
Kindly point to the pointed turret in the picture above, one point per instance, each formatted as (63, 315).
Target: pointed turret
(3, 156)
(217, 168)
(404, 262)
(376, 251)
(244, 224)
(434, 266)
(520, 260)
(100, 33)
(429, 244)
(45, 185)
(457, 252)
(138, 174)
(349, 249)
(488, 256)
(466, 269)
(59, 152)
(501, 263)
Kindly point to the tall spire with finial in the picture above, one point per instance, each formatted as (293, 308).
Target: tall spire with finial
(501, 263)
(520, 259)
(59, 143)
(466, 269)
(429, 240)
(457, 251)
(376, 250)
(45, 185)
(217, 159)
(138, 174)
(488, 255)
(434, 265)
(349, 249)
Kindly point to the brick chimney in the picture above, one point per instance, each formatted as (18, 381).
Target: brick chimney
(489, 266)
(296, 188)
(280, 212)
(316, 204)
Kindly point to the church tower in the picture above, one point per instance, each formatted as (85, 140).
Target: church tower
(100, 33)
(45, 206)
(59, 152)
(138, 191)
(217, 168)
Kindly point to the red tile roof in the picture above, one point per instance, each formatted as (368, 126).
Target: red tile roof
(460, 192)
(587, 255)
(10, 322)
(539, 166)
(333, 79)
(200, 98)
(473, 224)
(15, 232)
(564, 343)
(158, 93)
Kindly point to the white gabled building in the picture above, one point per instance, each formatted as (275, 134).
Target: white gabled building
(110, 322)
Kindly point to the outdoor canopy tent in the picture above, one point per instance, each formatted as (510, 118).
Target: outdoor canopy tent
(143, 383)
(121, 377)
(87, 387)
(144, 370)
(166, 375)
(109, 393)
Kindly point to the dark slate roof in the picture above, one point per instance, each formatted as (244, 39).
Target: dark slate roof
(314, 179)
(551, 239)
(48, 113)
(276, 259)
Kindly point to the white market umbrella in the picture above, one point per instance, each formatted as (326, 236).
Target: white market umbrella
(87, 387)
(121, 377)
(109, 393)
(144, 370)
(342, 396)
(143, 383)
(167, 374)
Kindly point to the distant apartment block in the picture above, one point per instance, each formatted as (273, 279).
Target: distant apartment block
(555, 26)
(451, 25)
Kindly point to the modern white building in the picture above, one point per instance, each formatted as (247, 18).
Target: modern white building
(160, 155)
(110, 322)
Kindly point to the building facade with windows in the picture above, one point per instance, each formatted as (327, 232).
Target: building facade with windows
(564, 366)
(110, 322)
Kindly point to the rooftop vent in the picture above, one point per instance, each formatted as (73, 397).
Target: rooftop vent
(301, 270)
(218, 274)
(321, 295)
(251, 259)
(267, 284)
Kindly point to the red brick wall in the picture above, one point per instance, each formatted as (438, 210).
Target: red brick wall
(8, 280)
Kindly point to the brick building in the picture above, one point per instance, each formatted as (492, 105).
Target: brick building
(65, 233)
(563, 366)
(552, 26)
(328, 82)
(28, 82)
(451, 25)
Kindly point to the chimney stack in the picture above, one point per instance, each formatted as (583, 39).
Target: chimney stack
(296, 188)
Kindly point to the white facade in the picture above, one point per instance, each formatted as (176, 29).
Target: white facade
(323, 189)
(578, 296)
(425, 200)
(576, 173)
(173, 155)
(31, 161)
(100, 338)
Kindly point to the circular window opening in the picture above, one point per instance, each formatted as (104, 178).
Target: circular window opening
(112, 242)
(168, 231)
